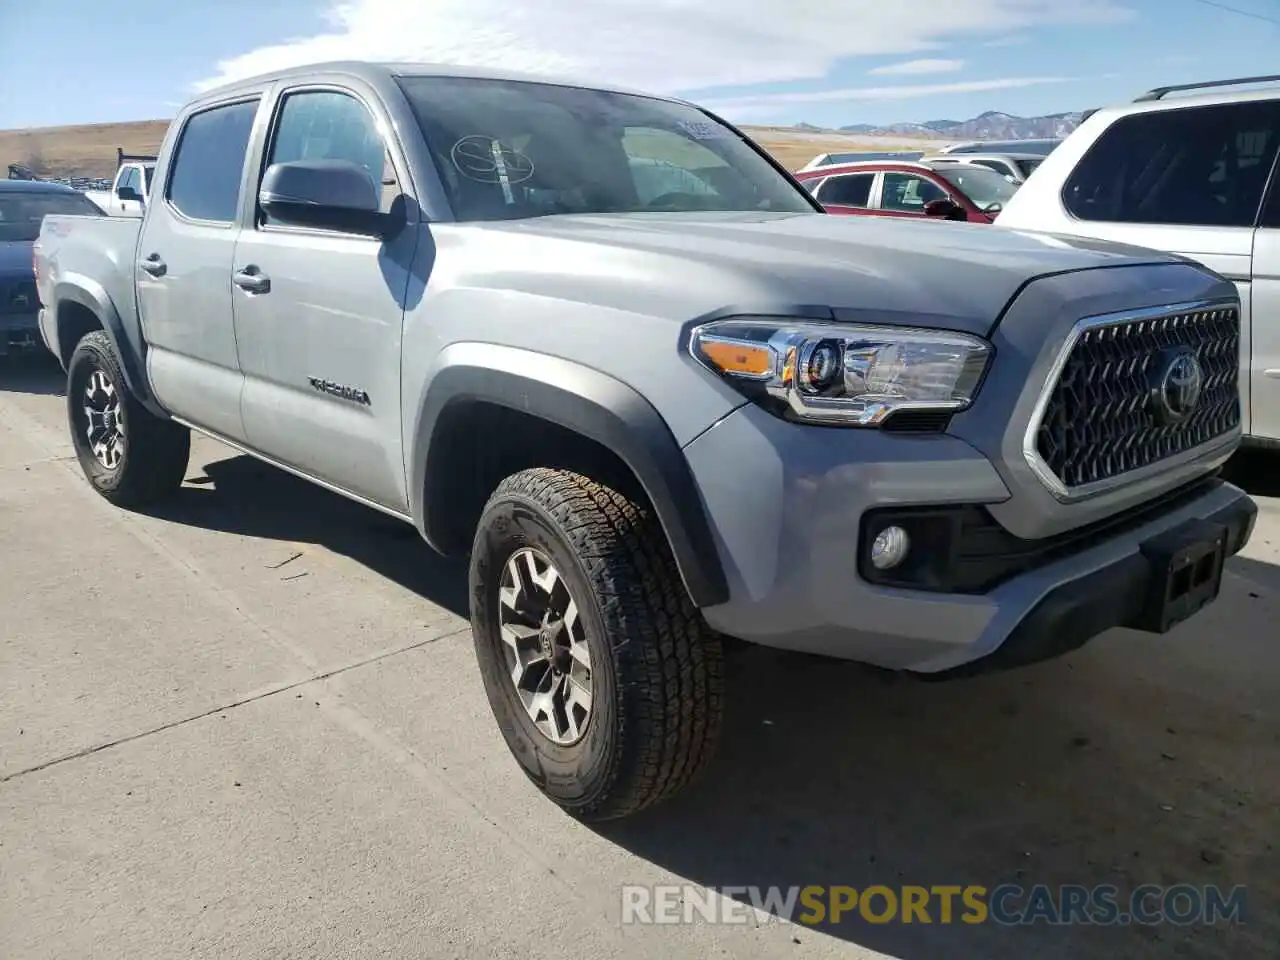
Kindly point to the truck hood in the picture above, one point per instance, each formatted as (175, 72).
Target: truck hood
(958, 275)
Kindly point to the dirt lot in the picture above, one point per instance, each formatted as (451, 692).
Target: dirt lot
(91, 150)
(251, 725)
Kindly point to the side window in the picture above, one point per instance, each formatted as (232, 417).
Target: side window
(328, 125)
(850, 190)
(130, 179)
(908, 193)
(995, 165)
(204, 178)
(1203, 166)
(1028, 167)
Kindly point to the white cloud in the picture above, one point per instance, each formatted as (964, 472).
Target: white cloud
(1013, 41)
(769, 101)
(660, 45)
(912, 67)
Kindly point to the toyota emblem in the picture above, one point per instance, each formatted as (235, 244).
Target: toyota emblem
(1179, 383)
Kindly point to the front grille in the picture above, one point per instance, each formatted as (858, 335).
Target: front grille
(19, 297)
(1105, 416)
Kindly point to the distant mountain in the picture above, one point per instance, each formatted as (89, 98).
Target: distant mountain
(991, 125)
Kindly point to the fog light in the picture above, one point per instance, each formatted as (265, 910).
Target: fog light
(889, 548)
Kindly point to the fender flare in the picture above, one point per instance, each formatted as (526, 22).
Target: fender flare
(91, 295)
(592, 404)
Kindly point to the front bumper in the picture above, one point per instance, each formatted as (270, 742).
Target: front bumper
(788, 505)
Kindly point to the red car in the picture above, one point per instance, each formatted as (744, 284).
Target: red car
(890, 188)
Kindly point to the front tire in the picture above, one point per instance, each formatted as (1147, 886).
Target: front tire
(128, 454)
(604, 679)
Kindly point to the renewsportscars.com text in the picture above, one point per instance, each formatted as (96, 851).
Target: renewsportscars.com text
(1007, 904)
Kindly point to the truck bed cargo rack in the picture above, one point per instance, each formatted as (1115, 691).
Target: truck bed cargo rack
(122, 158)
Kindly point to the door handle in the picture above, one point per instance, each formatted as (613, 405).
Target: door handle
(154, 265)
(252, 280)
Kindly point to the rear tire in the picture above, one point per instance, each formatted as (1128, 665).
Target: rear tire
(566, 570)
(128, 454)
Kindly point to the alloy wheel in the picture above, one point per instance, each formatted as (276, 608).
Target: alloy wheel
(104, 420)
(545, 643)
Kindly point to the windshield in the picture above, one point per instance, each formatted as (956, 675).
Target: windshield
(513, 149)
(21, 213)
(983, 186)
(1026, 166)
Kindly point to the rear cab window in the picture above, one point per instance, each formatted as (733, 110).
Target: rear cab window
(1194, 166)
(208, 162)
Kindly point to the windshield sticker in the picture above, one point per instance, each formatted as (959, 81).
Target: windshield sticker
(488, 160)
(703, 129)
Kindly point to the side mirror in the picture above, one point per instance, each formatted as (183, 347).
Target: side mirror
(128, 193)
(945, 208)
(328, 194)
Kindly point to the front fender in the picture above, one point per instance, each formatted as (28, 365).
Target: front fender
(88, 293)
(592, 404)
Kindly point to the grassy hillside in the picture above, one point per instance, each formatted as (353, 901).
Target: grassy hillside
(90, 150)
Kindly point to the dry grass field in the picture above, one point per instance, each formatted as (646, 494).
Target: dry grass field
(90, 150)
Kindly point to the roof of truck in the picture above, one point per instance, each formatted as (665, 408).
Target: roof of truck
(34, 186)
(380, 71)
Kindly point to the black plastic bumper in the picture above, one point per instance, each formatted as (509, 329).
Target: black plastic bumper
(1134, 592)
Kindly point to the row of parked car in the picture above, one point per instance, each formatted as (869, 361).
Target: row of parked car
(968, 181)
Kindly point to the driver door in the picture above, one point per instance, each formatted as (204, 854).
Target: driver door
(318, 313)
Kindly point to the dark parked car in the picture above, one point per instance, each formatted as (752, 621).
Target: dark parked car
(23, 205)
(944, 191)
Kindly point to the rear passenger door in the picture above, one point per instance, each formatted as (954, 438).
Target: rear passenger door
(1190, 181)
(183, 272)
(319, 330)
(846, 192)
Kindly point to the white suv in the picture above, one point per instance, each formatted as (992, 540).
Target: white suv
(1188, 170)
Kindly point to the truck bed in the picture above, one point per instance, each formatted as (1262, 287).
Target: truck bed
(102, 248)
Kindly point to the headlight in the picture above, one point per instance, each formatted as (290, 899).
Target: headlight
(845, 374)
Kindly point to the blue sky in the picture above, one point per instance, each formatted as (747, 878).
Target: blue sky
(827, 62)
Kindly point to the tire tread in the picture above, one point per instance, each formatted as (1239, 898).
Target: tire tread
(669, 663)
(157, 451)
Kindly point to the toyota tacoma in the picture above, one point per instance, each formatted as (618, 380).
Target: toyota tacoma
(603, 345)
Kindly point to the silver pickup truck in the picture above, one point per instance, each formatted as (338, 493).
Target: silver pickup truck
(604, 345)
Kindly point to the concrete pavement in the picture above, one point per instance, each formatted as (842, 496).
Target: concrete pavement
(250, 725)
